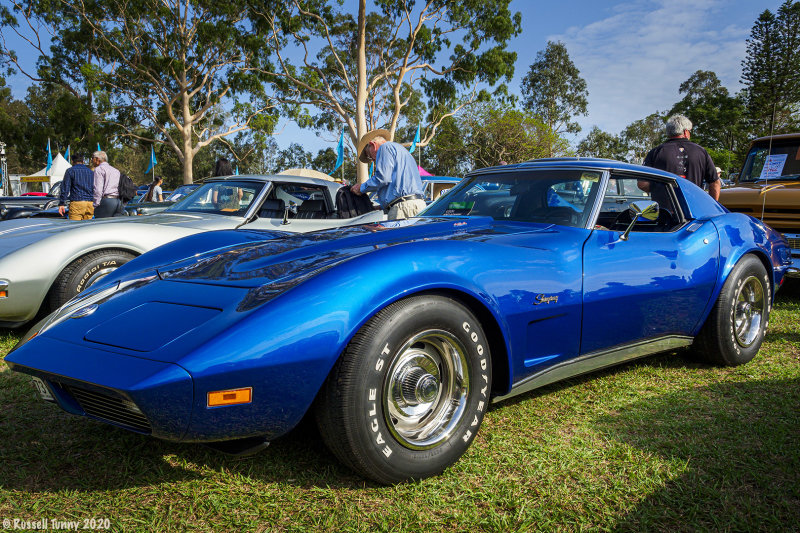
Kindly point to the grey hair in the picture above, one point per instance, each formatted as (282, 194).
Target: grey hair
(676, 124)
(101, 155)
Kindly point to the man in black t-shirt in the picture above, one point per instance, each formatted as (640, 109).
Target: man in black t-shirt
(683, 157)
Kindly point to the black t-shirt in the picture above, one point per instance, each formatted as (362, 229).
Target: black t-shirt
(684, 158)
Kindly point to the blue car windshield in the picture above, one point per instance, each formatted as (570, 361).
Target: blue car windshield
(562, 197)
(232, 198)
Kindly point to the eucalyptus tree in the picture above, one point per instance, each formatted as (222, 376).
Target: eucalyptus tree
(166, 67)
(176, 64)
(400, 61)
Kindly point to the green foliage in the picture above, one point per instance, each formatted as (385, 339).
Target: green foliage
(14, 117)
(152, 70)
(718, 118)
(771, 71)
(599, 143)
(554, 90)
(642, 135)
(489, 134)
(727, 160)
(423, 60)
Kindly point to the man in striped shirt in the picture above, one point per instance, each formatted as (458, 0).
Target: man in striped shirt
(77, 187)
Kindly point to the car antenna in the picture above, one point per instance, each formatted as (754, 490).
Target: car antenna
(769, 152)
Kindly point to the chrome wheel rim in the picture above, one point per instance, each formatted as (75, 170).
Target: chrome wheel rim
(426, 390)
(98, 275)
(749, 311)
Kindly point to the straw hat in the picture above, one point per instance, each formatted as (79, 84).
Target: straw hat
(365, 140)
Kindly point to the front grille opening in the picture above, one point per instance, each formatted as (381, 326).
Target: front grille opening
(110, 408)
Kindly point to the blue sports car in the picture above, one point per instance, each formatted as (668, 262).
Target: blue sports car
(397, 336)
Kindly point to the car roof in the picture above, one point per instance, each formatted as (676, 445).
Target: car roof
(593, 163)
(332, 186)
(441, 179)
(781, 137)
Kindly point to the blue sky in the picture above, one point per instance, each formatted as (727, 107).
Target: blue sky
(633, 54)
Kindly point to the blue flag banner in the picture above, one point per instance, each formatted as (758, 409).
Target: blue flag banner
(236, 172)
(66, 154)
(416, 140)
(153, 161)
(339, 153)
(49, 158)
(98, 148)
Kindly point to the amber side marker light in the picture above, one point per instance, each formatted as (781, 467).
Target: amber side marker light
(230, 397)
(3, 294)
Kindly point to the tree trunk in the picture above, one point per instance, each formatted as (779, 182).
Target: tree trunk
(186, 133)
(188, 157)
(361, 96)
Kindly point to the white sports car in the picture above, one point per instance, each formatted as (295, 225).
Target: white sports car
(45, 262)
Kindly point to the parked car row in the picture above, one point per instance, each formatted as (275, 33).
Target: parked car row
(396, 336)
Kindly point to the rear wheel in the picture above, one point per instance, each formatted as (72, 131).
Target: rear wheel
(409, 394)
(735, 329)
(83, 272)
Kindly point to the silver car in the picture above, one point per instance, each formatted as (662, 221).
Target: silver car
(45, 262)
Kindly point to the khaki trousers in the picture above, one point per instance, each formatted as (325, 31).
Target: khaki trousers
(406, 209)
(81, 210)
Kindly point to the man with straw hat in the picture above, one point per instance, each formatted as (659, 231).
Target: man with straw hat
(396, 177)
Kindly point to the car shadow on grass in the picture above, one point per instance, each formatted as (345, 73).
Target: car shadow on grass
(47, 450)
(740, 442)
(678, 360)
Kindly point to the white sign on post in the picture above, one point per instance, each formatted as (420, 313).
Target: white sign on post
(773, 166)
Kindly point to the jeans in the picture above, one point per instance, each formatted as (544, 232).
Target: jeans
(109, 207)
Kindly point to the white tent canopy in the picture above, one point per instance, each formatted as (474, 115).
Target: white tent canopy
(51, 177)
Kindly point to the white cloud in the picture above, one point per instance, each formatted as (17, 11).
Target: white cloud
(634, 59)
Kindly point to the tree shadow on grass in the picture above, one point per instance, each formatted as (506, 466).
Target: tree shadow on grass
(741, 443)
(46, 450)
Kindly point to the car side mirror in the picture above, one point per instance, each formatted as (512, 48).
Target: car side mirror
(291, 206)
(645, 209)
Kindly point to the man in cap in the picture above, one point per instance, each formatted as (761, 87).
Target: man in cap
(77, 187)
(684, 158)
(395, 178)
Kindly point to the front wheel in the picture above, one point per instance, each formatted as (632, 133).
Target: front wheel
(409, 393)
(84, 272)
(735, 329)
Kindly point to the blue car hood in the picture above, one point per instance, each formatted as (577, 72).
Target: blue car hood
(275, 262)
(255, 264)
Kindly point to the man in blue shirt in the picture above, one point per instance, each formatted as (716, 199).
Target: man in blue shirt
(396, 178)
(78, 188)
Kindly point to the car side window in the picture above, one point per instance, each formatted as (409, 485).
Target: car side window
(305, 201)
(623, 190)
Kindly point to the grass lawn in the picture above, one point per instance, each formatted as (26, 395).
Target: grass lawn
(661, 444)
